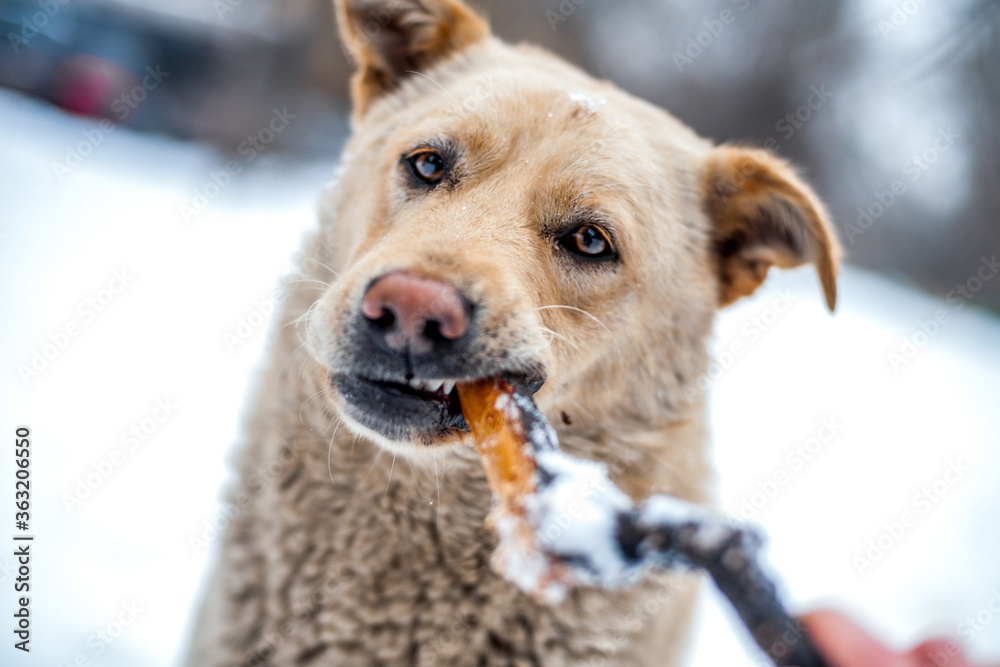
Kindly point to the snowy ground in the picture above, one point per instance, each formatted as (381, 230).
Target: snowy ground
(114, 577)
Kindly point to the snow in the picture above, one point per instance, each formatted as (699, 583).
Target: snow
(520, 563)
(888, 432)
(713, 530)
(541, 435)
(661, 509)
(586, 102)
(576, 514)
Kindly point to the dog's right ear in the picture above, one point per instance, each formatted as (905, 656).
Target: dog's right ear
(392, 39)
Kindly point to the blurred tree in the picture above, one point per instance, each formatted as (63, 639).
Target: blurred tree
(851, 90)
(865, 95)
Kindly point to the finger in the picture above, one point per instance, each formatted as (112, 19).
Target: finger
(940, 653)
(846, 645)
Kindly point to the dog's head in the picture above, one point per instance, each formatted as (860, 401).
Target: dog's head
(499, 212)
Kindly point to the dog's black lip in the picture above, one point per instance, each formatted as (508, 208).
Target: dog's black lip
(446, 408)
(523, 383)
(396, 404)
(400, 387)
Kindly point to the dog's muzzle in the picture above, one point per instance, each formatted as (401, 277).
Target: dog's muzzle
(412, 338)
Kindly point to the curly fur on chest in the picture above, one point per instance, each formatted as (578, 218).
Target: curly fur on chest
(340, 555)
(373, 562)
(336, 553)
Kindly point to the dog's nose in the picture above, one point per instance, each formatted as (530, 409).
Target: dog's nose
(407, 310)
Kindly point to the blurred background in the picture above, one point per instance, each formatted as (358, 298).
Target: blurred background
(160, 163)
(862, 95)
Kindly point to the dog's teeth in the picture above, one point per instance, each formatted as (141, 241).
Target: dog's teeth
(431, 386)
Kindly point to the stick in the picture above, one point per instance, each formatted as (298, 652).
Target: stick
(614, 542)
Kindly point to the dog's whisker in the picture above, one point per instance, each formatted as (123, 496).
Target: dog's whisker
(388, 481)
(646, 185)
(300, 281)
(307, 344)
(301, 318)
(379, 452)
(304, 316)
(336, 274)
(329, 454)
(442, 88)
(565, 339)
(437, 485)
(305, 402)
(417, 478)
(574, 308)
(295, 358)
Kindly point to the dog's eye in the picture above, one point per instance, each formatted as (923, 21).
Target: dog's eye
(428, 166)
(588, 241)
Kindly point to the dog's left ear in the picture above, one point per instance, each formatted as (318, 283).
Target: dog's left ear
(763, 215)
(391, 39)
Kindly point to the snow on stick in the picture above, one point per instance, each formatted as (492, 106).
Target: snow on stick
(611, 541)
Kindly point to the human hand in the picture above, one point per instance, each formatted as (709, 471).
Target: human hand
(845, 644)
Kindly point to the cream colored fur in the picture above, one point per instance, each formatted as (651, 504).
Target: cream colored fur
(352, 550)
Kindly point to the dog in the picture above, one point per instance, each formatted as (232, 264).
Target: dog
(497, 212)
